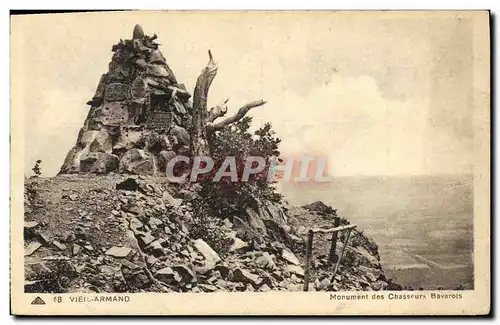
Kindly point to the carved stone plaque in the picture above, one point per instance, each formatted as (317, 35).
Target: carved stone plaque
(138, 88)
(158, 119)
(115, 92)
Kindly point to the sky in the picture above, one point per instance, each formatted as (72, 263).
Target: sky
(377, 94)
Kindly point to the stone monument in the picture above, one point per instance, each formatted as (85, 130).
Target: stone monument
(136, 114)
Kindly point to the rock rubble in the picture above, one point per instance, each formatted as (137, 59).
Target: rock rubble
(137, 234)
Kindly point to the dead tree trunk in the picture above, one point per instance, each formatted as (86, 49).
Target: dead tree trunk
(199, 143)
(203, 123)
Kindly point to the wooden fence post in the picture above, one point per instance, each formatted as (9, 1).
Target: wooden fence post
(341, 254)
(332, 258)
(310, 236)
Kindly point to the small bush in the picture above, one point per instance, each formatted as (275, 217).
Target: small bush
(36, 169)
(229, 198)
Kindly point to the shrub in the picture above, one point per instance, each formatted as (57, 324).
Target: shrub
(36, 169)
(226, 197)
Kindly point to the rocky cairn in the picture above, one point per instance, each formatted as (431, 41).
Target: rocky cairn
(139, 115)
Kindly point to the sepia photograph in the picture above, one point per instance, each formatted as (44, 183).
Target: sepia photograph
(218, 155)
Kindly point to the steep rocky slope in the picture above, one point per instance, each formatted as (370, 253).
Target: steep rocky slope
(118, 233)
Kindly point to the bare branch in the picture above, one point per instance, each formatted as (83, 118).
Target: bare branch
(217, 111)
(238, 116)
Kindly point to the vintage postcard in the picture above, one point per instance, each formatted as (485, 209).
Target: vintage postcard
(250, 163)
